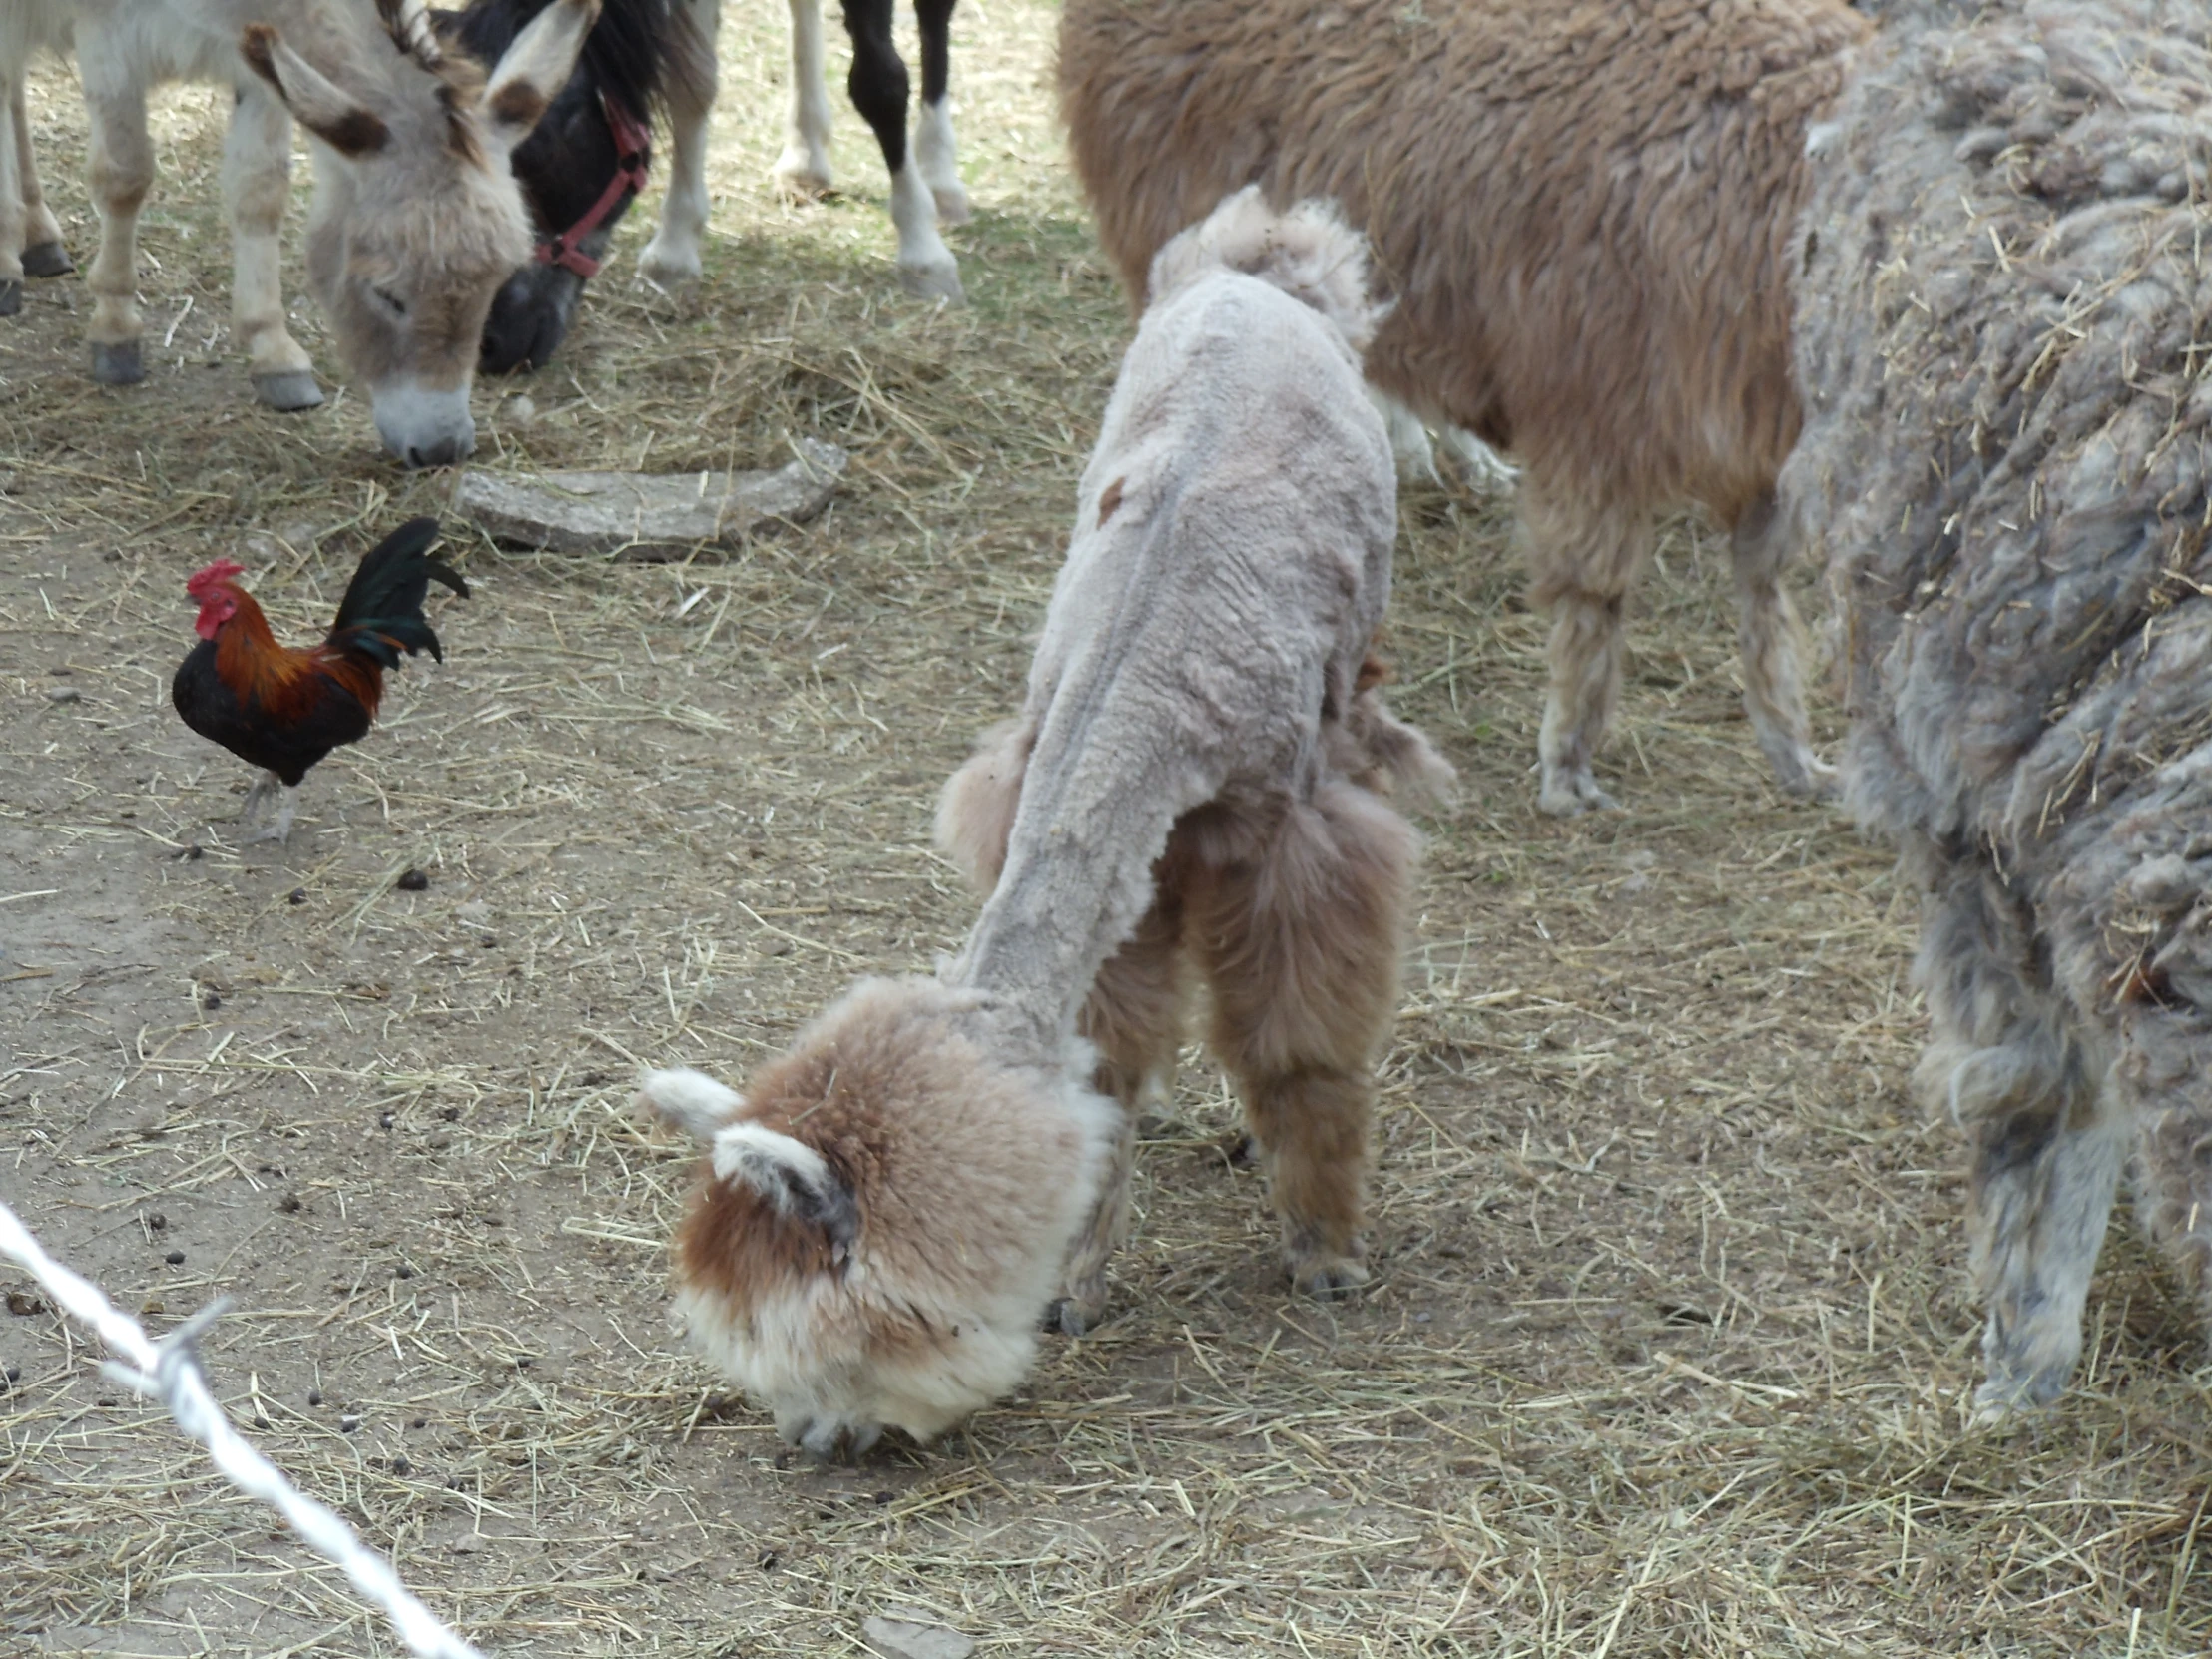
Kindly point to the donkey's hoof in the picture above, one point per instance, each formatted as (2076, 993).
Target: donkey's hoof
(118, 365)
(933, 281)
(286, 392)
(47, 259)
(11, 298)
(1077, 1313)
(1327, 1276)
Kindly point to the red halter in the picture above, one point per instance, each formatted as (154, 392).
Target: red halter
(633, 160)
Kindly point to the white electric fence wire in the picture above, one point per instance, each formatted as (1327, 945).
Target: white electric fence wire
(169, 1370)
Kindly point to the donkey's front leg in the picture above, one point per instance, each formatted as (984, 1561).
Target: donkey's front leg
(257, 185)
(122, 173)
(43, 252)
(14, 212)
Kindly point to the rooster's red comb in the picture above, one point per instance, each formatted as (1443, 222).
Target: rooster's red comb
(208, 576)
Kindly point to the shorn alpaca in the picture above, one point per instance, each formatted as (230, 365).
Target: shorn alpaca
(1585, 214)
(888, 1211)
(2004, 308)
(416, 219)
(1200, 773)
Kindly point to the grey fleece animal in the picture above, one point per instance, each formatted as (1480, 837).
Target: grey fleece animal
(2005, 308)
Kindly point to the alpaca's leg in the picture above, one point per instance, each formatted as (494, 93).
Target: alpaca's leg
(1769, 635)
(2161, 1083)
(879, 86)
(1583, 553)
(1301, 946)
(2007, 1062)
(803, 170)
(122, 173)
(671, 258)
(1134, 1016)
(935, 153)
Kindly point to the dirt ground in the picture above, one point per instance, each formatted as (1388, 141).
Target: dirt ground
(1669, 1339)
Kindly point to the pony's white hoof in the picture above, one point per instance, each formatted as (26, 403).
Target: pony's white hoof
(799, 178)
(933, 281)
(672, 268)
(953, 205)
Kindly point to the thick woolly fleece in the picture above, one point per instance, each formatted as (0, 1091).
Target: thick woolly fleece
(1230, 565)
(2004, 306)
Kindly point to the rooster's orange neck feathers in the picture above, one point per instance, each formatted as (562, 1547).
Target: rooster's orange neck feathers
(275, 677)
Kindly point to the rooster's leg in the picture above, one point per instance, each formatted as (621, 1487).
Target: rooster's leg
(268, 784)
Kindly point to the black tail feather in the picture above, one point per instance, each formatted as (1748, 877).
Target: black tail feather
(382, 614)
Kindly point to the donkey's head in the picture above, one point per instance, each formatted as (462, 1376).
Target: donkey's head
(416, 219)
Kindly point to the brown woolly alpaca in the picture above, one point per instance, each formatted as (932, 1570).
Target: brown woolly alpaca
(2005, 296)
(881, 1221)
(1205, 741)
(1585, 216)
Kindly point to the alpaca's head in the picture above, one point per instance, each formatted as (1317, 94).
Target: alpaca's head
(881, 1216)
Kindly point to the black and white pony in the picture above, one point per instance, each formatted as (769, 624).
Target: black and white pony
(588, 157)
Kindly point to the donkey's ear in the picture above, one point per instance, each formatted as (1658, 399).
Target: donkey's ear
(334, 115)
(535, 68)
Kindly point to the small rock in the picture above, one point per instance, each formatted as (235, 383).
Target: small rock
(64, 694)
(404, 1271)
(400, 1466)
(314, 1396)
(412, 881)
(14, 1374)
(348, 1423)
(298, 895)
(420, 1422)
(152, 1305)
(384, 1120)
(898, 1639)
(650, 518)
(175, 1257)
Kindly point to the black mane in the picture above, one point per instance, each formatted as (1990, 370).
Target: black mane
(630, 55)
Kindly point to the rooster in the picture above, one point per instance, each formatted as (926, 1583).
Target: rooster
(284, 710)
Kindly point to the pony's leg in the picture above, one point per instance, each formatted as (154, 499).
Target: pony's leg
(2007, 1062)
(879, 86)
(1769, 635)
(803, 170)
(934, 151)
(1583, 552)
(1300, 945)
(122, 173)
(671, 258)
(257, 183)
(1134, 1016)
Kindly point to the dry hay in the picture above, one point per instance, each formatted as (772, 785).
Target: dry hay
(1669, 1342)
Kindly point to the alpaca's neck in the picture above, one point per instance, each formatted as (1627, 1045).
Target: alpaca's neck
(1100, 795)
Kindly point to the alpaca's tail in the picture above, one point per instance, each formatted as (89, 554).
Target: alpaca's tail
(1308, 253)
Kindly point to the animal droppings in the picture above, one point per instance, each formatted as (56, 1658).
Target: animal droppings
(23, 1302)
(298, 895)
(175, 1257)
(650, 518)
(348, 1423)
(314, 1396)
(412, 881)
